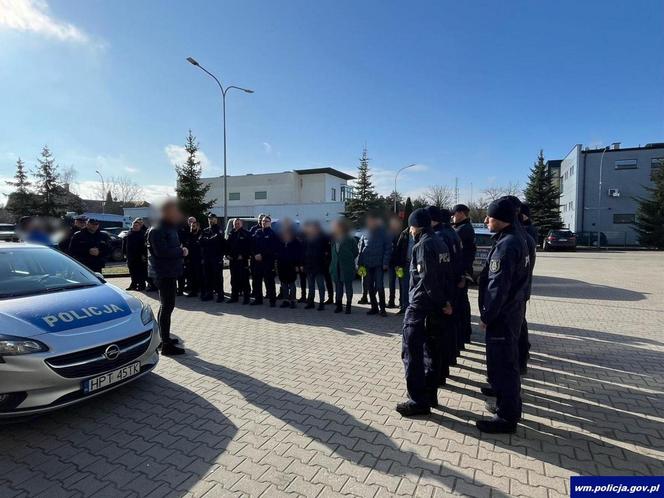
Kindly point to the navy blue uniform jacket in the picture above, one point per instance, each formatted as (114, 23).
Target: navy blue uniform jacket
(505, 277)
(466, 233)
(430, 273)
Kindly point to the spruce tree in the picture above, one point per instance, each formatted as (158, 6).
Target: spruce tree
(46, 183)
(649, 224)
(20, 202)
(543, 198)
(407, 210)
(190, 190)
(364, 194)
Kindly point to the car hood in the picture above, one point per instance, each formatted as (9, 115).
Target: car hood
(63, 311)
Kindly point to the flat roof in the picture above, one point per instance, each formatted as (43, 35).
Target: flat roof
(658, 145)
(329, 171)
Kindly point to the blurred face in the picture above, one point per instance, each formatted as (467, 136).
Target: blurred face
(414, 230)
(212, 221)
(171, 213)
(287, 235)
(459, 216)
(79, 223)
(195, 226)
(92, 226)
(237, 223)
(337, 230)
(372, 223)
(267, 222)
(136, 226)
(395, 225)
(191, 220)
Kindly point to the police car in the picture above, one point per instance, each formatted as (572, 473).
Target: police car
(65, 334)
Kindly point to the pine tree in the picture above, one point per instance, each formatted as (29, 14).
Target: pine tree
(543, 198)
(190, 190)
(649, 223)
(407, 210)
(46, 183)
(365, 197)
(20, 202)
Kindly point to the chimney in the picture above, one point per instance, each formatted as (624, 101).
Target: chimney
(615, 146)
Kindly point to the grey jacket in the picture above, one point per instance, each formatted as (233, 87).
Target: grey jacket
(375, 249)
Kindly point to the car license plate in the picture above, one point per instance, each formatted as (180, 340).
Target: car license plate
(112, 377)
(562, 240)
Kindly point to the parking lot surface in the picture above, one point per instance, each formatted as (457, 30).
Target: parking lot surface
(273, 402)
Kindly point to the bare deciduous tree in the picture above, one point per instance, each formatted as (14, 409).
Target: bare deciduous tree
(440, 196)
(494, 192)
(122, 188)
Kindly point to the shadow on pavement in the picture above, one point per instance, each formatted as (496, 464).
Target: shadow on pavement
(329, 425)
(150, 435)
(577, 289)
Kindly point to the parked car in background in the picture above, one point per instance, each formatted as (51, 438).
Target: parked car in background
(484, 243)
(116, 247)
(115, 230)
(559, 239)
(8, 232)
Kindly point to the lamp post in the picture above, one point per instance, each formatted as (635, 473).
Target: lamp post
(103, 194)
(599, 199)
(395, 184)
(225, 90)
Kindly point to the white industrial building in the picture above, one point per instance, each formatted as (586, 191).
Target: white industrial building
(303, 194)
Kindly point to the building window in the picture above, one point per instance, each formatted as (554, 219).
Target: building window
(626, 164)
(571, 170)
(656, 163)
(561, 187)
(234, 196)
(571, 205)
(260, 195)
(334, 194)
(623, 219)
(346, 193)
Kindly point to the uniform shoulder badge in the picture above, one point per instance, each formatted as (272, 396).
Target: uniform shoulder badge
(494, 265)
(444, 257)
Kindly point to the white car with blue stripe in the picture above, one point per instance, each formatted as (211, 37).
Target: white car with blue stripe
(65, 334)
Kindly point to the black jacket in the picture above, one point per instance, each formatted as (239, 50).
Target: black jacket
(193, 245)
(453, 243)
(430, 273)
(466, 233)
(213, 244)
(165, 255)
(133, 245)
(83, 241)
(63, 245)
(238, 245)
(288, 260)
(317, 254)
(266, 243)
(400, 249)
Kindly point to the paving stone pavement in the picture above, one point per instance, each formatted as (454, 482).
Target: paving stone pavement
(273, 402)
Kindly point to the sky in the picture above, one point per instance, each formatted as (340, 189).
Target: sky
(469, 91)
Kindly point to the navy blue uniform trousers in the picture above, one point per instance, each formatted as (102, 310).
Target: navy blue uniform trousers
(420, 355)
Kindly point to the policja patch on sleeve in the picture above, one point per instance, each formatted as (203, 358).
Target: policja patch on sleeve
(494, 265)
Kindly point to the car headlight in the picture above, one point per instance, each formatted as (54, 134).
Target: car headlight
(146, 314)
(14, 346)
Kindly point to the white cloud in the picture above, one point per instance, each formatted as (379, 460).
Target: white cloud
(267, 147)
(131, 169)
(33, 16)
(383, 179)
(177, 155)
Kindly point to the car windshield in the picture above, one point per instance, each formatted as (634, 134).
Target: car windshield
(561, 233)
(31, 271)
(483, 239)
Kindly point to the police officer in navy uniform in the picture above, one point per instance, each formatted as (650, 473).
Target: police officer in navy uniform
(502, 294)
(79, 224)
(239, 252)
(428, 296)
(213, 245)
(265, 249)
(529, 234)
(464, 229)
(449, 343)
(91, 246)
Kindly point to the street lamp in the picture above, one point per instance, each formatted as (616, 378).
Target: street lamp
(194, 62)
(395, 184)
(103, 194)
(599, 199)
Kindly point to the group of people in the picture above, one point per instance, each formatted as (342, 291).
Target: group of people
(437, 319)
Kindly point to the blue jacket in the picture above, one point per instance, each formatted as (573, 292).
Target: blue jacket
(504, 280)
(429, 273)
(375, 249)
(165, 255)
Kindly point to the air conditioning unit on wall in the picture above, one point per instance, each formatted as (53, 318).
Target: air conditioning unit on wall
(614, 192)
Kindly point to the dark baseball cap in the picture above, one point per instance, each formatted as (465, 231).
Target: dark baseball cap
(93, 221)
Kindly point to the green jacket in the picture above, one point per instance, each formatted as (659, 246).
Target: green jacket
(343, 259)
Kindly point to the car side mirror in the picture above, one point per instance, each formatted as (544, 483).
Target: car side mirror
(100, 277)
